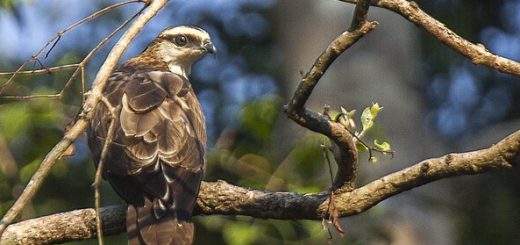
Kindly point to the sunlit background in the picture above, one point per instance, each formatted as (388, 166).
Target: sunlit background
(435, 101)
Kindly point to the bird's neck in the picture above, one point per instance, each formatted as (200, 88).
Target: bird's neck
(149, 58)
(180, 70)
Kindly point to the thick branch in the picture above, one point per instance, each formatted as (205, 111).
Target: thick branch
(226, 199)
(64, 227)
(478, 54)
(222, 198)
(87, 112)
(336, 132)
(346, 155)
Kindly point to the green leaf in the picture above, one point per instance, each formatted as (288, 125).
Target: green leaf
(333, 114)
(361, 147)
(351, 113)
(343, 110)
(367, 119)
(375, 108)
(384, 146)
(369, 114)
(373, 159)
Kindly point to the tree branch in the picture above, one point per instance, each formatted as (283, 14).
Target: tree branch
(85, 115)
(477, 53)
(346, 156)
(226, 199)
(64, 227)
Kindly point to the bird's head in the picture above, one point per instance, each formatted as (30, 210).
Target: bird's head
(181, 46)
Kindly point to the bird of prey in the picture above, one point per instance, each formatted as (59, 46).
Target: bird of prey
(156, 159)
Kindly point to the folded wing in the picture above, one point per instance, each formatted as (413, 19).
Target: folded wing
(156, 160)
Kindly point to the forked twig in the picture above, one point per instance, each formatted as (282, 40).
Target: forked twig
(91, 54)
(92, 16)
(55, 39)
(80, 68)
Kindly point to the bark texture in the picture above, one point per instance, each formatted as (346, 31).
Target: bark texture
(226, 199)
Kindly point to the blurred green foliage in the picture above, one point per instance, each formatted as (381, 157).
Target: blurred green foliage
(8, 4)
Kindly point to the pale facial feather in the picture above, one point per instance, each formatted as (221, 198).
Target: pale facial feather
(187, 31)
(180, 59)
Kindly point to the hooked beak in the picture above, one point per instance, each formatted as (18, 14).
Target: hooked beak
(209, 48)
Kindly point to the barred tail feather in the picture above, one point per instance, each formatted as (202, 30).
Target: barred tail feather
(145, 229)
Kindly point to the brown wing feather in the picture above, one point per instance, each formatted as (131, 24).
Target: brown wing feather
(143, 93)
(156, 160)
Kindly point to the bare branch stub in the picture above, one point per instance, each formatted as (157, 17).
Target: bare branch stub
(360, 14)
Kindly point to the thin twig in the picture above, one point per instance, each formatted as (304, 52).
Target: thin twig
(39, 62)
(83, 84)
(31, 97)
(85, 115)
(97, 48)
(326, 150)
(42, 71)
(80, 68)
(90, 17)
(55, 39)
(100, 166)
(332, 214)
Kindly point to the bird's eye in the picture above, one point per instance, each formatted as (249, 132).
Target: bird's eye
(181, 40)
